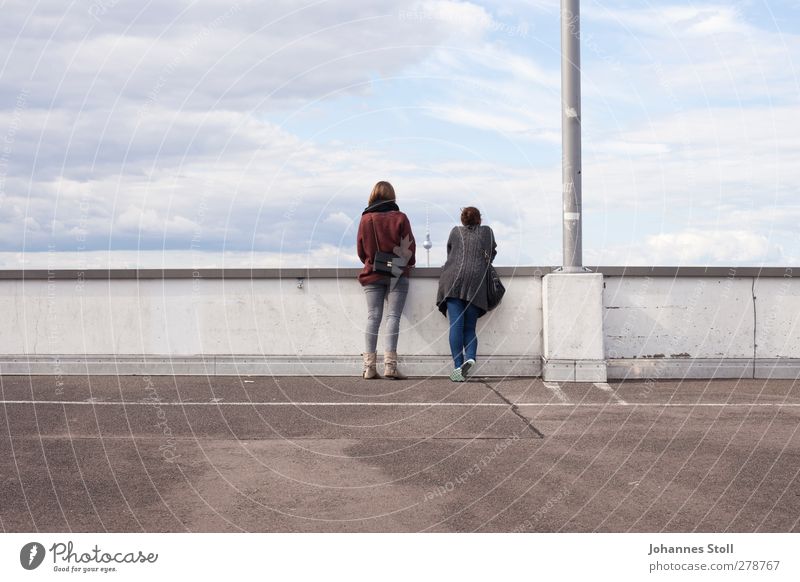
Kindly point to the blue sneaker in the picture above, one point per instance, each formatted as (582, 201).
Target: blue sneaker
(466, 367)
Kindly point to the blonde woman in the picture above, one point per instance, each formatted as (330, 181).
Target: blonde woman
(386, 246)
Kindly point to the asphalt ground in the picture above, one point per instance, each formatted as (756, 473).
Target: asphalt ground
(171, 453)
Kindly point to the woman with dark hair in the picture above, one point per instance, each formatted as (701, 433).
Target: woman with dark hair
(386, 247)
(463, 294)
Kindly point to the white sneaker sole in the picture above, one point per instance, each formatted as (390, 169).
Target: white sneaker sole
(466, 368)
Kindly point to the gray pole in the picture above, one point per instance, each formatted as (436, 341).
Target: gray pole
(571, 134)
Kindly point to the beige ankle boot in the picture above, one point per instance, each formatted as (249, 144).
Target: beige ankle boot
(390, 367)
(370, 371)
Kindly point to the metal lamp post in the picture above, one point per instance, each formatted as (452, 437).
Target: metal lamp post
(572, 300)
(571, 135)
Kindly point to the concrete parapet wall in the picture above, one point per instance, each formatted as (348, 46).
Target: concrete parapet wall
(279, 324)
(678, 318)
(703, 327)
(657, 322)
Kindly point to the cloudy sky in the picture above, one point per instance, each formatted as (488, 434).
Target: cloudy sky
(224, 133)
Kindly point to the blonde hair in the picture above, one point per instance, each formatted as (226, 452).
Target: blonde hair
(381, 192)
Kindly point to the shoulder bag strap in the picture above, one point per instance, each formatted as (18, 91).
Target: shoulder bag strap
(374, 234)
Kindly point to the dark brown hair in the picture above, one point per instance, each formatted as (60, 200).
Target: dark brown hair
(381, 192)
(470, 216)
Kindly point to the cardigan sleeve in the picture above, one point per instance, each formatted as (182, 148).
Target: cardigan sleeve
(450, 239)
(491, 243)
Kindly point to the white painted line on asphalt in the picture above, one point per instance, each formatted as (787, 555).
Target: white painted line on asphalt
(611, 392)
(216, 403)
(668, 404)
(407, 404)
(557, 391)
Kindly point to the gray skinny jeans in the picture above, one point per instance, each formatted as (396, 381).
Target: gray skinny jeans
(395, 296)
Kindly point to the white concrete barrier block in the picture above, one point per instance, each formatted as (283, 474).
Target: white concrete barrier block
(573, 316)
(572, 306)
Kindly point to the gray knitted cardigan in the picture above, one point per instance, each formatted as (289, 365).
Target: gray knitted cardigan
(464, 274)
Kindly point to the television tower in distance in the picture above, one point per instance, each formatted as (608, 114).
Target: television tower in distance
(427, 244)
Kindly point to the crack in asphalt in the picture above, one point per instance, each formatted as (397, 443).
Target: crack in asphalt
(514, 409)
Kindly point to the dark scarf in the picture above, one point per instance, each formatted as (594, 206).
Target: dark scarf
(382, 206)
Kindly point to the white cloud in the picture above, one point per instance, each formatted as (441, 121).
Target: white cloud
(725, 246)
(693, 247)
(673, 19)
(515, 123)
(325, 256)
(708, 161)
(674, 53)
(470, 21)
(208, 54)
(339, 219)
(632, 148)
(728, 246)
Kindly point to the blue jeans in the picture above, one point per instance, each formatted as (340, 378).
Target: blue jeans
(463, 318)
(393, 293)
